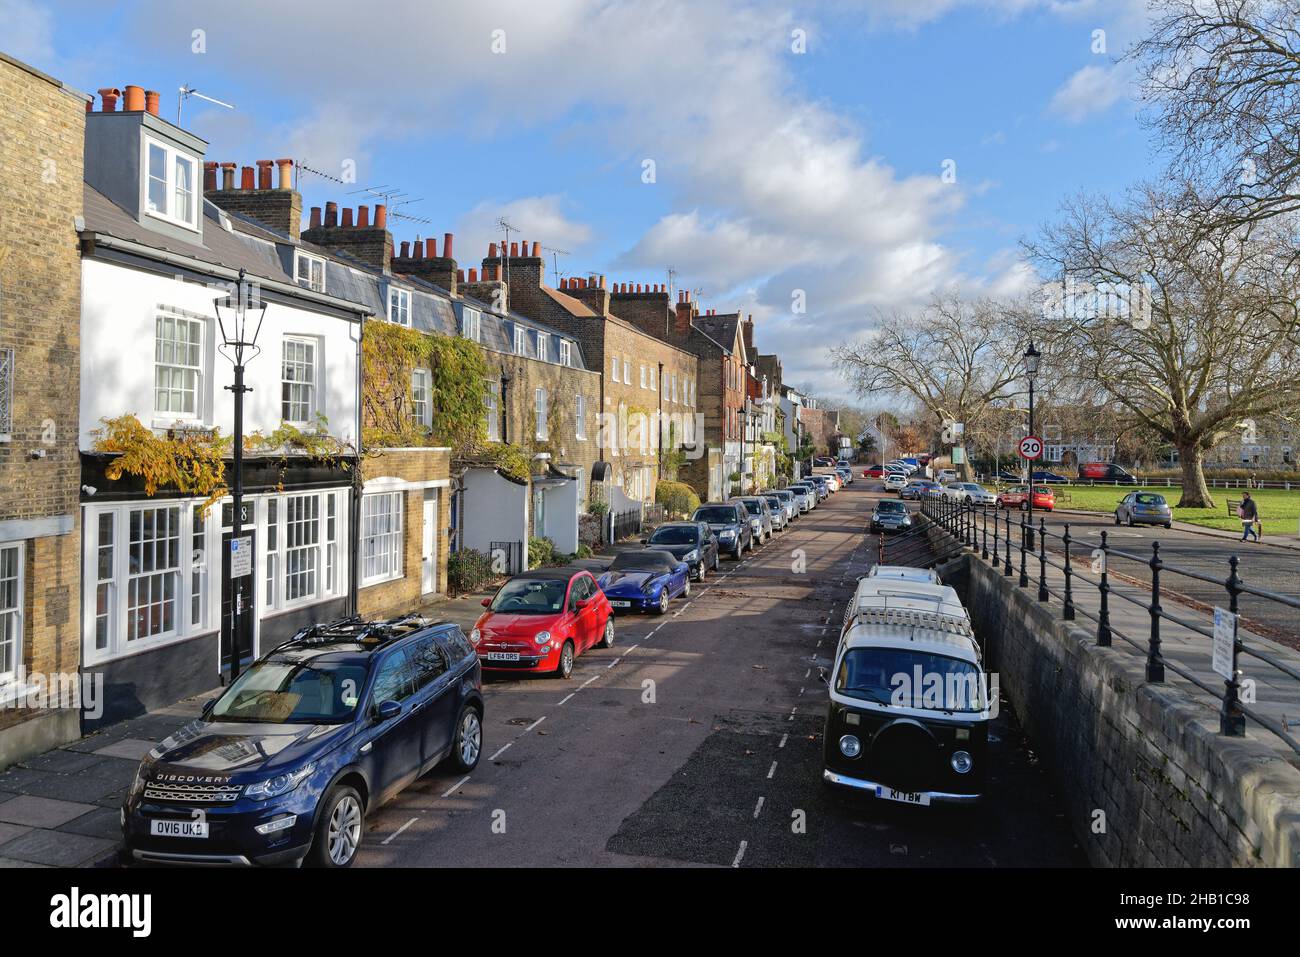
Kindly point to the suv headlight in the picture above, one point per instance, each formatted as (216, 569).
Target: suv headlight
(727, 533)
(278, 785)
(962, 762)
(542, 637)
(692, 555)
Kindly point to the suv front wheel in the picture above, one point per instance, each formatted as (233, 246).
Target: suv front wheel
(338, 829)
(469, 740)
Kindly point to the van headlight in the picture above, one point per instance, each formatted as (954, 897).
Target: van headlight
(278, 785)
(962, 762)
(850, 746)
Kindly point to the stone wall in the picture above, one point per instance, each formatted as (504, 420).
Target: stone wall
(1147, 779)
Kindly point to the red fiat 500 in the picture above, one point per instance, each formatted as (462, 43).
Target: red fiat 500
(541, 621)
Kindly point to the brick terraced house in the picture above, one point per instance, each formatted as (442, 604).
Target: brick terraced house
(41, 133)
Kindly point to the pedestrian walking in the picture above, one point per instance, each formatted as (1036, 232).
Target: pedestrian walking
(1249, 515)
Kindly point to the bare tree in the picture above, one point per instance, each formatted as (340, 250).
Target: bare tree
(955, 358)
(1223, 78)
(1217, 336)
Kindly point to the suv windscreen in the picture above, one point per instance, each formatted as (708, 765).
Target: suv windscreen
(531, 596)
(675, 535)
(717, 515)
(286, 691)
(755, 506)
(887, 676)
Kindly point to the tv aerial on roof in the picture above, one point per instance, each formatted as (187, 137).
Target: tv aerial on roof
(187, 91)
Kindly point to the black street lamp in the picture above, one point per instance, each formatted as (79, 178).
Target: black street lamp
(239, 346)
(1032, 356)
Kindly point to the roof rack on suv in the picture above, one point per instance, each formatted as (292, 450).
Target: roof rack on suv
(359, 630)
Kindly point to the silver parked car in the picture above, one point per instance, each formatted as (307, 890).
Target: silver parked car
(804, 499)
(760, 516)
(1144, 508)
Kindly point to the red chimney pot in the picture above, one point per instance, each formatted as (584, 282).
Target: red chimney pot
(381, 216)
(331, 214)
(246, 177)
(446, 246)
(108, 96)
(347, 217)
(264, 174)
(431, 248)
(315, 217)
(417, 249)
(209, 177)
(151, 102)
(473, 274)
(492, 250)
(134, 99)
(406, 248)
(514, 250)
(537, 250)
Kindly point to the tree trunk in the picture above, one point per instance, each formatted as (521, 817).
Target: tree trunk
(1191, 459)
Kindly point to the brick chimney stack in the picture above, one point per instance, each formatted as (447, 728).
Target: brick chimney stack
(364, 242)
(687, 310)
(423, 261)
(523, 269)
(277, 207)
(747, 330)
(592, 293)
(646, 307)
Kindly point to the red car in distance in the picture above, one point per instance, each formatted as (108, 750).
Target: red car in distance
(1017, 496)
(873, 471)
(541, 621)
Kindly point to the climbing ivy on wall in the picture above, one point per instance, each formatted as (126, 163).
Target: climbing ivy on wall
(457, 366)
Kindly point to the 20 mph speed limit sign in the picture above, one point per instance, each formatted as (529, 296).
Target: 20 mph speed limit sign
(1031, 447)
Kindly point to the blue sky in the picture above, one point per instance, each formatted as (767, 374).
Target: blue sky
(775, 172)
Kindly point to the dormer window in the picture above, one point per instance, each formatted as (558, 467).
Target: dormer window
(171, 193)
(399, 306)
(470, 322)
(309, 270)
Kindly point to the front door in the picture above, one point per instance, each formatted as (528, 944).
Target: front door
(429, 548)
(238, 596)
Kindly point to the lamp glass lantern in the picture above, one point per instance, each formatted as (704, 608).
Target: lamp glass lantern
(1032, 357)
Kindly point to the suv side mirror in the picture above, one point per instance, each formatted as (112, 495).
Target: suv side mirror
(387, 710)
(208, 706)
(645, 541)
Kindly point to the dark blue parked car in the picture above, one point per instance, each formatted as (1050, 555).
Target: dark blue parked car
(648, 579)
(284, 766)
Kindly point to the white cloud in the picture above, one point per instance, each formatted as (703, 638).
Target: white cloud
(1092, 89)
(537, 219)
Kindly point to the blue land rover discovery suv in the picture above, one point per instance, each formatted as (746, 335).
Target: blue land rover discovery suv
(283, 767)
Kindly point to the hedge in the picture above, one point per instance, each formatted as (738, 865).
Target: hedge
(677, 498)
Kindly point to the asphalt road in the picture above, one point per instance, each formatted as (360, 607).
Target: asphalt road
(696, 741)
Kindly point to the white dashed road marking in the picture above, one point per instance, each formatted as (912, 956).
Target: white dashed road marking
(398, 833)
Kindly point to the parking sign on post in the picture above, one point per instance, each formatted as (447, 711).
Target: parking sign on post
(1031, 447)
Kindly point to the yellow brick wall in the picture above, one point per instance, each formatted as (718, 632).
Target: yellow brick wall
(404, 594)
(42, 129)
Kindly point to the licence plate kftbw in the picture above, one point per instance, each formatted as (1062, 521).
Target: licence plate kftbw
(904, 797)
(178, 828)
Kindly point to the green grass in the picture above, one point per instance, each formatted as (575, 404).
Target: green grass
(1279, 510)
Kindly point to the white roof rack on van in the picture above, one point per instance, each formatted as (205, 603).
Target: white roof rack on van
(908, 618)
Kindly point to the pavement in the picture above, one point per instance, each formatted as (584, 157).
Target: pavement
(695, 741)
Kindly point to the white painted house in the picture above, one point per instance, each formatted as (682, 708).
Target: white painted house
(156, 569)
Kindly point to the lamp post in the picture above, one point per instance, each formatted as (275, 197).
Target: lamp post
(1032, 355)
(239, 346)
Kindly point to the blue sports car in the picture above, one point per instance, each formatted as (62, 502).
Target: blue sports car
(639, 581)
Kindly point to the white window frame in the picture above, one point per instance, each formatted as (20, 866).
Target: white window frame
(642, 367)
(422, 409)
(613, 369)
(540, 406)
(566, 352)
(311, 386)
(580, 418)
(399, 306)
(12, 631)
(492, 399)
(521, 341)
(543, 345)
(471, 324)
(171, 155)
(300, 259)
(329, 554)
(382, 536)
(198, 368)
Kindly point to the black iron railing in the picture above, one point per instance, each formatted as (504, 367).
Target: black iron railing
(984, 529)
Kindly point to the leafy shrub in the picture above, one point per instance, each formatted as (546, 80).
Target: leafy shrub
(584, 551)
(541, 551)
(677, 497)
(468, 570)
